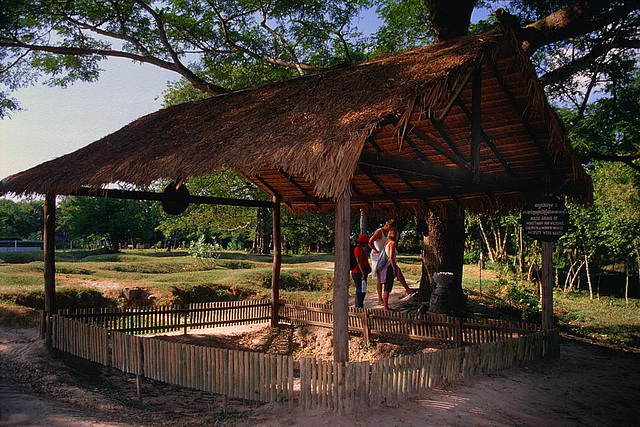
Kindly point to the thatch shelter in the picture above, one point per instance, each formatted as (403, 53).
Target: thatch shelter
(463, 121)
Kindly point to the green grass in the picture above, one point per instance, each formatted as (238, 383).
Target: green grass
(609, 321)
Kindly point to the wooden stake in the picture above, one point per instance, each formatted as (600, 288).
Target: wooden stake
(341, 280)
(277, 261)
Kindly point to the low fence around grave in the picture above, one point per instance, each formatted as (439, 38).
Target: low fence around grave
(427, 327)
(236, 374)
(338, 386)
(155, 319)
(269, 378)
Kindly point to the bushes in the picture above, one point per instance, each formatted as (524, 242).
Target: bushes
(21, 257)
(295, 280)
(66, 298)
(209, 293)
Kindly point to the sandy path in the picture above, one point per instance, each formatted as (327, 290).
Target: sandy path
(588, 386)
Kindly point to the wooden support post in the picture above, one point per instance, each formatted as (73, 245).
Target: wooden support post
(341, 280)
(49, 264)
(547, 286)
(277, 261)
(476, 126)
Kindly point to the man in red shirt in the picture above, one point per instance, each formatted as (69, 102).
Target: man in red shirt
(360, 272)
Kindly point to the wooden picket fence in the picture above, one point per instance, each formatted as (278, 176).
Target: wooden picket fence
(426, 327)
(143, 320)
(80, 339)
(342, 386)
(236, 374)
(269, 378)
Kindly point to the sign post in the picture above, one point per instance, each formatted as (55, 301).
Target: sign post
(546, 219)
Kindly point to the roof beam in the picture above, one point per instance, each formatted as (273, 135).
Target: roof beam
(441, 172)
(153, 195)
(414, 195)
(425, 138)
(371, 141)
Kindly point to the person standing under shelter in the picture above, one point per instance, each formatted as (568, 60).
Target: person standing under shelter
(361, 270)
(377, 243)
(386, 267)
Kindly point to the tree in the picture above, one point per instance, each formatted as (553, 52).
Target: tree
(112, 220)
(577, 46)
(20, 220)
(66, 40)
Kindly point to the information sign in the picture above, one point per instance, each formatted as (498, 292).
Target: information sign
(545, 219)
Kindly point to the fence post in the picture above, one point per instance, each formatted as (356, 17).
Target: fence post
(458, 336)
(365, 326)
(186, 319)
(139, 370)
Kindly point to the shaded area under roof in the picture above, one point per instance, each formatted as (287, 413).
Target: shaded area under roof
(395, 130)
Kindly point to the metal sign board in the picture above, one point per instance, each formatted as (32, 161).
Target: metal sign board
(545, 219)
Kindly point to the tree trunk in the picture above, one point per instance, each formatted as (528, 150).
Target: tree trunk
(444, 251)
(363, 222)
(586, 264)
(444, 243)
(521, 260)
(450, 19)
(262, 239)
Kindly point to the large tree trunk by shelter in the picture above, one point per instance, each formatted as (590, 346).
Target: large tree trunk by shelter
(444, 241)
(444, 251)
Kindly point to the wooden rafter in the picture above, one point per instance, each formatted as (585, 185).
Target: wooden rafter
(487, 140)
(402, 177)
(295, 183)
(515, 104)
(456, 93)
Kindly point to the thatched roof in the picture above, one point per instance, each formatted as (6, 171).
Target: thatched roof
(308, 139)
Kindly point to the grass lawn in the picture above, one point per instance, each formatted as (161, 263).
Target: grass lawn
(238, 275)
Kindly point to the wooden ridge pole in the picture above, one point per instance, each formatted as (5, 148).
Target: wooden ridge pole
(341, 280)
(277, 261)
(49, 264)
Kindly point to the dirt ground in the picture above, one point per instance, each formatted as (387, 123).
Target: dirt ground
(587, 386)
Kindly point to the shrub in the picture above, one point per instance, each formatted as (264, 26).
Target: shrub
(206, 253)
(208, 293)
(21, 257)
(299, 281)
(65, 298)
